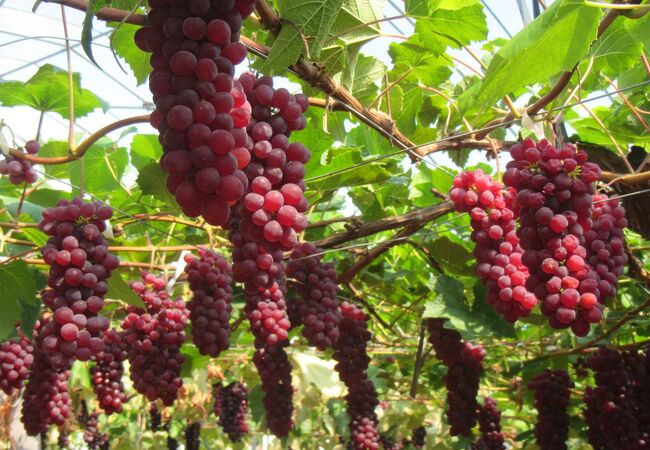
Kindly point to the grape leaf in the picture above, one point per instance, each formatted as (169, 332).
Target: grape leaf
(118, 289)
(144, 149)
(306, 23)
(554, 42)
(361, 76)
(152, 181)
(122, 44)
(87, 27)
(17, 287)
(47, 91)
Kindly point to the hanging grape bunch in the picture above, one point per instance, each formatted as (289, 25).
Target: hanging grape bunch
(16, 358)
(20, 170)
(201, 110)
(80, 265)
(153, 337)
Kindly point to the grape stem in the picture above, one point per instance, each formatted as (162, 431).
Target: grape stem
(84, 146)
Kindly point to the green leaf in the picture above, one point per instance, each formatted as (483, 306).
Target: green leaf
(122, 44)
(361, 76)
(145, 148)
(452, 256)
(452, 23)
(17, 287)
(47, 91)
(552, 43)
(306, 23)
(356, 21)
(87, 28)
(152, 181)
(103, 167)
(118, 289)
(414, 62)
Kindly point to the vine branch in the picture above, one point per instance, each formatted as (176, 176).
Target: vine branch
(83, 146)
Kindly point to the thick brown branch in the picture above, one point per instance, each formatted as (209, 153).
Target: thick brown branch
(107, 14)
(413, 218)
(452, 144)
(84, 146)
(633, 178)
(377, 251)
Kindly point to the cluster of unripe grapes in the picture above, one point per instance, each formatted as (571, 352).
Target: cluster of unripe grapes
(80, 266)
(548, 238)
(210, 281)
(464, 363)
(20, 170)
(153, 338)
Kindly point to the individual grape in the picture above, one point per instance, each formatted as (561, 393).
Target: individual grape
(464, 363)
(80, 266)
(210, 281)
(153, 339)
(492, 213)
(319, 309)
(16, 358)
(231, 406)
(552, 393)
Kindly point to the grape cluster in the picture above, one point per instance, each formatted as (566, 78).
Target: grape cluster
(193, 436)
(352, 360)
(390, 444)
(45, 400)
(106, 374)
(231, 406)
(552, 393)
(464, 363)
(418, 437)
(210, 308)
(201, 111)
(63, 441)
(497, 251)
(612, 405)
(155, 418)
(273, 365)
(16, 358)
(80, 266)
(489, 419)
(20, 170)
(554, 193)
(271, 215)
(605, 245)
(94, 439)
(153, 338)
(319, 310)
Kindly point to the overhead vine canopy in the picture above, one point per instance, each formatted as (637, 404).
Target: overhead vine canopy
(339, 224)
